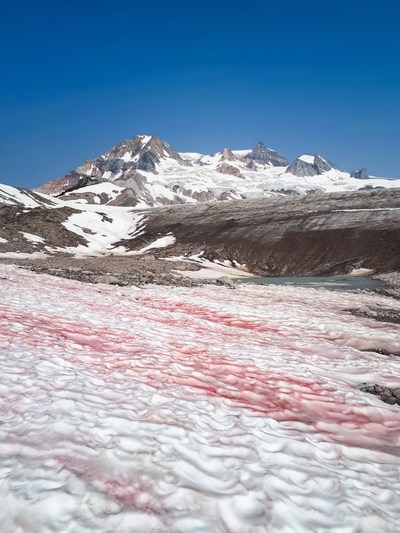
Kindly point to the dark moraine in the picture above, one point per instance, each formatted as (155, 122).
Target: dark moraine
(317, 235)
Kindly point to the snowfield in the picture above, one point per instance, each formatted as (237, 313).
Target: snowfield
(165, 409)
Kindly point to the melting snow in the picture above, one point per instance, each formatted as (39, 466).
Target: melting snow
(103, 228)
(211, 269)
(205, 409)
(31, 237)
(162, 242)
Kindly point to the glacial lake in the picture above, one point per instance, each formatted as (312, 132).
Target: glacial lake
(335, 283)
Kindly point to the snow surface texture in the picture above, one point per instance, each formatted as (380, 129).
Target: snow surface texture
(193, 410)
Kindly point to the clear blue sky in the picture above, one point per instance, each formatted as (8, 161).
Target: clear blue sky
(77, 77)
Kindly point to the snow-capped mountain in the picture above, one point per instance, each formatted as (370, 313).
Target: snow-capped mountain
(146, 171)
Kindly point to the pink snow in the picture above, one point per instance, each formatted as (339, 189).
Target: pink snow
(206, 409)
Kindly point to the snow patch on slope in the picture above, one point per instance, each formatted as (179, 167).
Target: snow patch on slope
(211, 269)
(162, 242)
(13, 196)
(103, 229)
(32, 238)
(307, 158)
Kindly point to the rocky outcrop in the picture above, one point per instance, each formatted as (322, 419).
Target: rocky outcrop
(263, 155)
(251, 165)
(309, 165)
(228, 195)
(227, 155)
(361, 174)
(83, 181)
(301, 168)
(224, 168)
(386, 394)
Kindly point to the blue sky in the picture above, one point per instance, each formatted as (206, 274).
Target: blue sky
(77, 77)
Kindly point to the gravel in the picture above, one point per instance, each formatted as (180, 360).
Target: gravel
(118, 270)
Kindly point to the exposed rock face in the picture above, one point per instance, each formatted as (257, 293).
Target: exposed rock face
(361, 174)
(301, 168)
(127, 198)
(262, 154)
(251, 165)
(224, 168)
(227, 155)
(322, 165)
(83, 181)
(228, 195)
(386, 394)
(309, 165)
(60, 185)
(139, 153)
(147, 162)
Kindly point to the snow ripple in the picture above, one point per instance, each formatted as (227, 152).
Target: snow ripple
(206, 409)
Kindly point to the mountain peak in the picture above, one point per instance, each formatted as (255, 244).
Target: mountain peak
(260, 147)
(147, 171)
(227, 154)
(263, 155)
(309, 165)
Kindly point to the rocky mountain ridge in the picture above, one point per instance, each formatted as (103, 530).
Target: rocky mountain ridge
(146, 171)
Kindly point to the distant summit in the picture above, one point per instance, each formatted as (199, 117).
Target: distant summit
(310, 165)
(147, 171)
(262, 154)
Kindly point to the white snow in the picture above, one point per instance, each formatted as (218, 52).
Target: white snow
(307, 158)
(110, 189)
(190, 156)
(206, 409)
(3, 240)
(162, 242)
(210, 269)
(32, 238)
(13, 196)
(145, 139)
(362, 272)
(102, 228)
(127, 157)
(241, 153)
